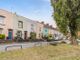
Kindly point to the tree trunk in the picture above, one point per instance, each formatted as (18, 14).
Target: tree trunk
(73, 40)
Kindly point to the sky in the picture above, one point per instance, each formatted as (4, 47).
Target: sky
(38, 10)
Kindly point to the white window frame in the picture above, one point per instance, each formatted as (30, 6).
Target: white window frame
(2, 19)
(20, 24)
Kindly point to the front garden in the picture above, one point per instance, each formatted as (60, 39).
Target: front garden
(32, 38)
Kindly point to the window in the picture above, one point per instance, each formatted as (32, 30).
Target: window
(20, 24)
(1, 30)
(19, 33)
(39, 35)
(2, 19)
(32, 25)
(32, 29)
(40, 29)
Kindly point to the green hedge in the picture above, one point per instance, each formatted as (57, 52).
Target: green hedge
(33, 35)
(2, 36)
(50, 37)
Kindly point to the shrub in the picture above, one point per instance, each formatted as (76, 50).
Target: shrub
(2, 36)
(33, 35)
(50, 37)
(18, 39)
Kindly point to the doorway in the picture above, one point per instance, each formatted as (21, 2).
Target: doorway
(10, 34)
(25, 35)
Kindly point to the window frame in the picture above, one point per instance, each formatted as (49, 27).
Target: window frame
(19, 33)
(20, 24)
(3, 17)
(1, 29)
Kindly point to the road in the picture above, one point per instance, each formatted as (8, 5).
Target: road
(18, 45)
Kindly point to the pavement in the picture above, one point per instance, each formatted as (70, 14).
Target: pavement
(8, 47)
(16, 46)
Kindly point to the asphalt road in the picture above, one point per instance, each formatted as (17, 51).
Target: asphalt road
(8, 47)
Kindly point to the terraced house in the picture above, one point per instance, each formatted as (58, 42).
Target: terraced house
(40, 26)
(12, 25)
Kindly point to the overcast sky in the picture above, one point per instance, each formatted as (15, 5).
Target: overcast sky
(39, 10)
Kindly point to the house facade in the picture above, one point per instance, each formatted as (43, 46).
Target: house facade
(12, 25)
(20, 26)
(46, 30)
(40, 26)
(6, 23)
(31, 26)
(51, 30)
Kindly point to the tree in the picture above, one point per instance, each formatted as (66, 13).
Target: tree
(67, 17)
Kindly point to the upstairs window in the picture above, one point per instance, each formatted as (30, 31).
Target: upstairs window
(20, 24)
(1, 19)
(32, 25)
(40, 29)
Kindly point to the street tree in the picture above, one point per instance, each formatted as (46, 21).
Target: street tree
(67, 17)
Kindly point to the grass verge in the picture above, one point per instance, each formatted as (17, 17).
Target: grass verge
(60, 52)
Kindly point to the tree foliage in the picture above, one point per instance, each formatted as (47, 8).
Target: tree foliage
(67, 16)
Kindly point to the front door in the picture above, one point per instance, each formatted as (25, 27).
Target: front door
(10, 34)
(25, 35)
